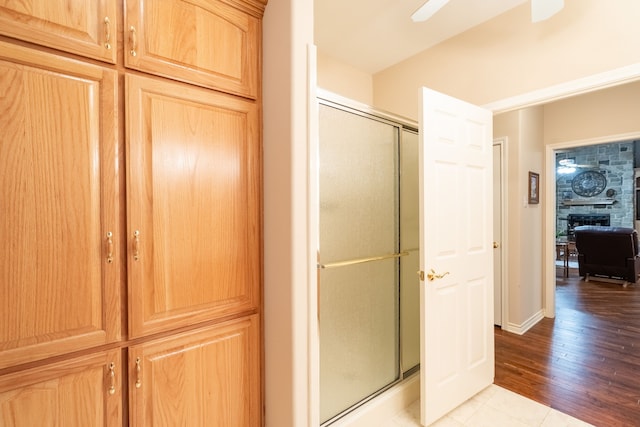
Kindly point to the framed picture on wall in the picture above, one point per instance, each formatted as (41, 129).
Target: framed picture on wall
(534, 188)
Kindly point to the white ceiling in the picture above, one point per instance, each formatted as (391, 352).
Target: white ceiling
(372, 35)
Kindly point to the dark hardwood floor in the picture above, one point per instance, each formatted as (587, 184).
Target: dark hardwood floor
(586, 361)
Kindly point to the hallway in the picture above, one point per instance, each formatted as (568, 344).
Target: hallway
(586, 361)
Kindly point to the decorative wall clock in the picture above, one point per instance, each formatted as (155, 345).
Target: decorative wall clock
(589, 183)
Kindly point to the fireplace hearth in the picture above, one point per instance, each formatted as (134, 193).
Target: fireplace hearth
(576, 220)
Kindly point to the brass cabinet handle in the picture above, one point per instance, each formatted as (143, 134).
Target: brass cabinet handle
(496, 245)
(431, 275)
(138, 372)
(107, 33)
(109, 247)
(136, 245)
(112, 378)
(134, 41)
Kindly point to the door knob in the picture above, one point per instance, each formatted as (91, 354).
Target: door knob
(431, 275)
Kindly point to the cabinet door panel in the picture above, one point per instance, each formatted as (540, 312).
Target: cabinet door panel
(58, 202)
(193, 164)
(86, 27)
(205, 42)
(74, 393)
(206, 378)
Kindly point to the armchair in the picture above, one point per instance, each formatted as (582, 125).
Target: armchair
(609, 252)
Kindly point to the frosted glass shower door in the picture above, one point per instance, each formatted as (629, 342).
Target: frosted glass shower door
(358, 256)
(410, 244)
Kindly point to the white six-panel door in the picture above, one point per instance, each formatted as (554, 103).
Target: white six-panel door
(457, 348)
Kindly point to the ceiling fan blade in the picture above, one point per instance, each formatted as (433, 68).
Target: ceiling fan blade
(570, 163)
(427, 10)
(545, 9)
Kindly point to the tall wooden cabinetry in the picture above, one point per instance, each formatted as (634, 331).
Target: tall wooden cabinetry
(130, 190)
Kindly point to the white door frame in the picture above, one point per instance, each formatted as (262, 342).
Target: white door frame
(504, 243)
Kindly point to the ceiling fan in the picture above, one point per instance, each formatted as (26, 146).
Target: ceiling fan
(571, 163)
(540, 9)
(567, 166)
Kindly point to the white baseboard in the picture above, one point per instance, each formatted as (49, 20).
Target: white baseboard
(526, 325)
(378, 412)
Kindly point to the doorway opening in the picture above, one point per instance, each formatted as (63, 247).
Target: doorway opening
(500, 291)
(558, 196)
(595, 185)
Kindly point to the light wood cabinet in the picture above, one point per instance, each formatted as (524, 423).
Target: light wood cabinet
(193, 204)
(82, 27)
(204, 378)
(58, 184)
(204, 42)
(157, 259)
(78, 392)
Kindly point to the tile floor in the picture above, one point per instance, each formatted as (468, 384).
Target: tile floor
(493, 407)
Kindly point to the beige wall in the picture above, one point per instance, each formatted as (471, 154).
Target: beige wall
(613, 111)
(287, 32)
(531, 156)
(344, 80)
(509, 55)
(523, 130)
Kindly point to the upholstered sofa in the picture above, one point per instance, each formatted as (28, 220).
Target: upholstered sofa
(610, 252)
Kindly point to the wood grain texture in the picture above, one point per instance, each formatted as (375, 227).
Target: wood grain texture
(205, 378)
(204, 42)
(57, 146)
(69, 25)
(73, 393)
(193, 194)
(253, 7)
(586, 361)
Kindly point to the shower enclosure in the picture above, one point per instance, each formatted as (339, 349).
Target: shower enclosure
(368, 255)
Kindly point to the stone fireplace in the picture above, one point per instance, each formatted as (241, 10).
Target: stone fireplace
(614, 205)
